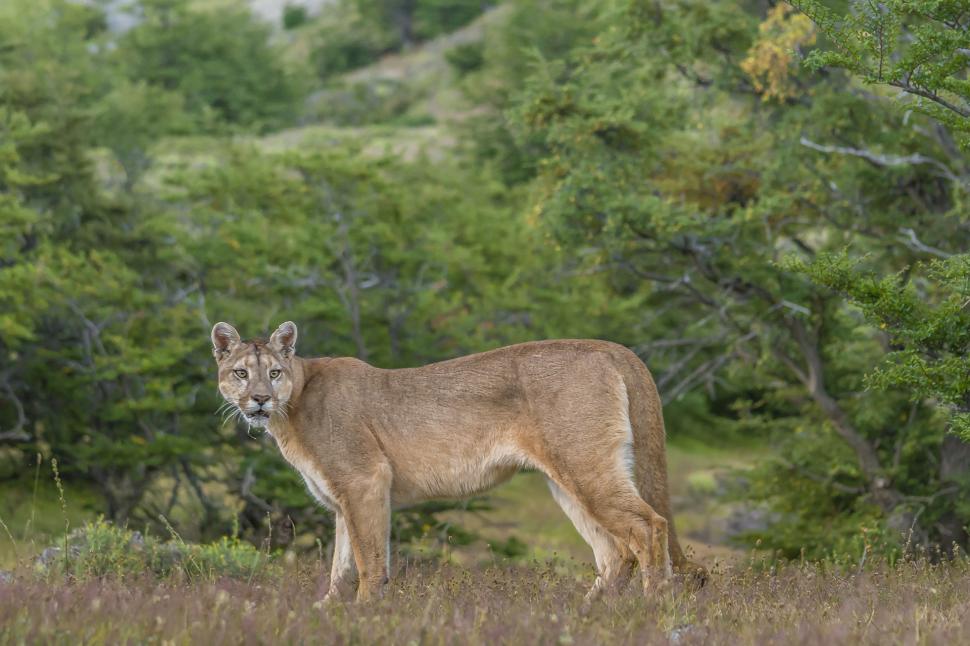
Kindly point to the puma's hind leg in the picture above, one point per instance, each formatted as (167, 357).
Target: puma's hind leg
(629, 518)
(611, 501)
(614, 561)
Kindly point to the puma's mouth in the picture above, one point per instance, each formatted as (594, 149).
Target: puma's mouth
(258, 418)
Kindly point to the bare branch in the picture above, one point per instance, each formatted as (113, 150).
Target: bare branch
(16, 434)
(245, 490)
(814, 381)
(883, 160)
(911, 241)
(906, 86)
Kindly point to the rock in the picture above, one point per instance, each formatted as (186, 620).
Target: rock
(51, 554)
(682, 632)
(137, 541)
(48, 556)
(745, 519)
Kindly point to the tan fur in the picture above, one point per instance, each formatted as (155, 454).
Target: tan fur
(367, 440)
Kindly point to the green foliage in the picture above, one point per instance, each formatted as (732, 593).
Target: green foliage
(411, 21)
(435, 17)
(357, 32)
(104, 550)
(510, 548)
(921, 48)
(467, 57)
(675, 172)
(918, 46)
(926, 321)
(221, 62)
(531, 31)
(131, 117)
(346, 40)
(294, 15)
(106, 354)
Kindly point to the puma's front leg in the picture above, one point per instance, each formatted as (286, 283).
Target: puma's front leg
(343, 571)
(367, 515)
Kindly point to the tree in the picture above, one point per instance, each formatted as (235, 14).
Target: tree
(91, 373)
(221, 62)
(687, 164)
(918, 46)
(922, 48)
(416, 20)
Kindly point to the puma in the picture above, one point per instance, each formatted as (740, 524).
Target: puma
(367, 440)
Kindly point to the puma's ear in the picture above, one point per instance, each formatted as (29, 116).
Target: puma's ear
(224, 339)
(283, 339)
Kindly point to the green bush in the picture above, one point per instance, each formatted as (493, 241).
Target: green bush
(294, 16)
(346, 41)
(435, 17)
(467, 57)
(221, 62)
(102, 549)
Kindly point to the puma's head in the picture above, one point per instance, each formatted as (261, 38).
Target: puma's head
(256, 375)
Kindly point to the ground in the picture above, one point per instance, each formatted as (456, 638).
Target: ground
(914, 603)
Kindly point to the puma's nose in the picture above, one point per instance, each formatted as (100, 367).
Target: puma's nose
(260, 399)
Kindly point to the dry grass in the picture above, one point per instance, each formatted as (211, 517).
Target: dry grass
(914, 603)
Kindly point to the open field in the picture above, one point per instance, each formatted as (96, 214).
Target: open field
(914, 603)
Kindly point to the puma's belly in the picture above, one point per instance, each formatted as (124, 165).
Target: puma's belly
(456, 476)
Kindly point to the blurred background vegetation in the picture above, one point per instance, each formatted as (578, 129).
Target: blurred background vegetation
(767, 203)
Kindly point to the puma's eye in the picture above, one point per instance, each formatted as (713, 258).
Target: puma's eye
(273, 374)
(242, 374)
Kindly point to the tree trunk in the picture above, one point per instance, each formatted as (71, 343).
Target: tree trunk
(954, 468)
(404, 19)
(877, 482)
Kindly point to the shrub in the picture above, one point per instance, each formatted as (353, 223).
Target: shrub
(294, 16)
(220, 61)
(101, 549)
(346, 41)
(434, 17)
(467, 57)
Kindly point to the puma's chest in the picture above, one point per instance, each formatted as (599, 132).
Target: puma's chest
(296, 454)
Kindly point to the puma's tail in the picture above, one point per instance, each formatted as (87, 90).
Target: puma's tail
(650, 460)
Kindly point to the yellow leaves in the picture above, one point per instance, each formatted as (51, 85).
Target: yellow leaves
(770, 58)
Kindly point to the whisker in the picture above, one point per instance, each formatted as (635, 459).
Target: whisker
(284, 411)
